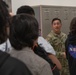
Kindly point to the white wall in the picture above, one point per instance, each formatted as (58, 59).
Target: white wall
(18, 3)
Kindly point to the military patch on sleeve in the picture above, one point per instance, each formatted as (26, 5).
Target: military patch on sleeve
(72, 50)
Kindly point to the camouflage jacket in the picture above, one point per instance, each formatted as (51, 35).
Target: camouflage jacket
(57, 41)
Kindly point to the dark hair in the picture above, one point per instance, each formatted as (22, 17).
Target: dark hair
(23, 31)
(55, 19)
(73, 26)
(4, 19)
(25, 9)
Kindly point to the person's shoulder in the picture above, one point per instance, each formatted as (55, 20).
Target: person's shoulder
(40, 62)
(44, 66)
(14, 66)
(40, 38)
(46, 45)
(2, 46)
(63, 33)
(50, 35)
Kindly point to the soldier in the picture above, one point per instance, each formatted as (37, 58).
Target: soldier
(57, 39)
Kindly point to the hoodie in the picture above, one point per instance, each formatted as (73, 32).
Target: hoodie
(12, 66)
(70, 46)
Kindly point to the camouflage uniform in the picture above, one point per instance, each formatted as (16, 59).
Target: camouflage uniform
(58, 43)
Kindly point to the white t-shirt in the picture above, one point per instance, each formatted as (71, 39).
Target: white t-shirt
(5, 46)
(46, 45)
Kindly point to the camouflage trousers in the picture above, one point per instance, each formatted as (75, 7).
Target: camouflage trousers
(64, 71)
(65, 67)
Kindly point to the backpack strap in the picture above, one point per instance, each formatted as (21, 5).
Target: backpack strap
(6, 47)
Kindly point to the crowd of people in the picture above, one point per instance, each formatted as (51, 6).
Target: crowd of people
(19, 34)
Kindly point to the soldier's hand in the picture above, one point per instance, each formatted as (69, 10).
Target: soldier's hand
(63, 54)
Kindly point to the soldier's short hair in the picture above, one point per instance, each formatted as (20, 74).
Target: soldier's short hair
(55, 19)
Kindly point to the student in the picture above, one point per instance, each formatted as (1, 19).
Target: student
(71, 47)
(8, 64)
(57, 39)
(41, 41)
(23, 36)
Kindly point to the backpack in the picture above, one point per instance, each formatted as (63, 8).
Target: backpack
(42, 53)
(71, 55)
(12, 66)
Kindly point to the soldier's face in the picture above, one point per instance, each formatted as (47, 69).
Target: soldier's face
(56, 26)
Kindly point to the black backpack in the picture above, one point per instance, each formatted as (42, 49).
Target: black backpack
(42, 53)
(12, 66)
